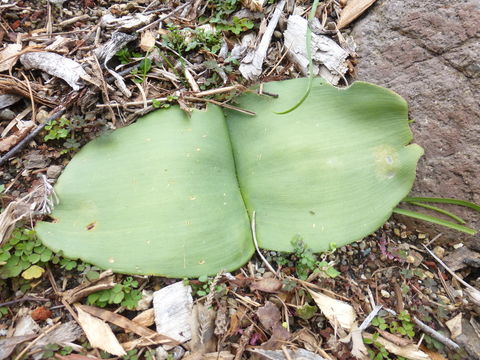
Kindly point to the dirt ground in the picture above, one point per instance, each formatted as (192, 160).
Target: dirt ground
(400, 293)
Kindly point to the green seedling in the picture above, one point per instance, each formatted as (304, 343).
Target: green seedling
(21, 252)
(57, 129)
(3, 311)
(25, 254)
(140, 73)
(124, 294)
(50, 350)
(221, 17)
(203, 285)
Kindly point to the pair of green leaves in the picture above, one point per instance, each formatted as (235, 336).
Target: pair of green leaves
(173, 195)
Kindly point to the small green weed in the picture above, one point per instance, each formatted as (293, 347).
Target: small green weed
(3, 311)
(376, 351)
(186, 39)
(50, 350)
(164, 105)
(307, 262)
(57, 129)
(221, 11)
(24, 251)
(64, 128)
(124, 294)
(140, 73)
(202, 286)
(125, 56)
(401, 325)
(131, 355)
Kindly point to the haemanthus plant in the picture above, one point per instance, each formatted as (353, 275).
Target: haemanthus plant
(173, 195)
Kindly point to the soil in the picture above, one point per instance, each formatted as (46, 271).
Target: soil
(424, 51)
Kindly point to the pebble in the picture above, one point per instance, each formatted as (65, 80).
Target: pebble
(54, 171)
(444, 299)
(161, 353)
(439, 251)
(6, 115)
(385, 294)
(36, 161)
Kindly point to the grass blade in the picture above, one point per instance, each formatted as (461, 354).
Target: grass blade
(444, 201)
(439, 210)
(308, 38)
(434, 220)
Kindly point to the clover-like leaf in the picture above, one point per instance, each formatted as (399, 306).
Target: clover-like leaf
(173, 195)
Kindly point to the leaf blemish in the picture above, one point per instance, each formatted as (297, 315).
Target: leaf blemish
(91, 226)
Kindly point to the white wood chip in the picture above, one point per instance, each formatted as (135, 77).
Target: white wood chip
(328, 57)
(173, 310)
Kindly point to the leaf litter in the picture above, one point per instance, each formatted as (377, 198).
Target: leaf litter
(100, 65)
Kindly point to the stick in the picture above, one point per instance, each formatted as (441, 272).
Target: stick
(146, 27)
(56, 115)
(433, 333)
(254, 235)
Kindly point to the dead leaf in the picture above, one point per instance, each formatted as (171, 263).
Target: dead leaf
(147, 41)
(33, 272)
(359, 350)
(145, 318)
(433, 354)
(253, 5)
(353, 10)
(10, 141)
(268, 285)
(8, 56)
(125, 323)
(455, 325)
(99, 333)
(411, 352)
(336, 311)
(269, 315)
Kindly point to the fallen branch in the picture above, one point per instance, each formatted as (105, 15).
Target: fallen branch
(57, 113)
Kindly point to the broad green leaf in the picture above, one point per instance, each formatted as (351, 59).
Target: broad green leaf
(331, 171)
(157, 197)
(172, 195)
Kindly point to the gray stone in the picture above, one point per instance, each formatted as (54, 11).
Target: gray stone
(7, 115)
(427, 51)
(54, 171)
(36, 160)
